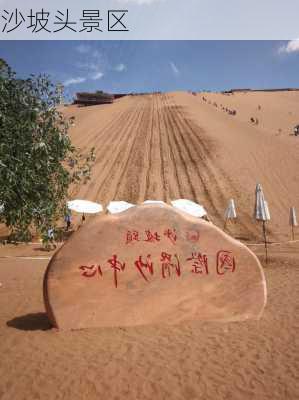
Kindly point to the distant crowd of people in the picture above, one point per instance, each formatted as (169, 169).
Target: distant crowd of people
(225, 109)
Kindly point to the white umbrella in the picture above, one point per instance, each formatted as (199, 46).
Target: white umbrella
(115, 207)
(293, 220)
(84, 206)
(262, 212)
(189, 207)
(153, 202)
(230, 212)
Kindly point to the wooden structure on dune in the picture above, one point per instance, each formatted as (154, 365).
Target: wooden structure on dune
(90, 99)
(119, 95)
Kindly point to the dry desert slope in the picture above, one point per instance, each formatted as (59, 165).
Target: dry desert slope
(175, 145)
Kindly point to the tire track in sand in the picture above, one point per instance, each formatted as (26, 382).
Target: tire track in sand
(102, 148)
(110, 186)
(182, 162)
(172, 181)
(217, 183)
(110, 157)
(155, 179)
(193, 159)
(89, 140)
(132, 181)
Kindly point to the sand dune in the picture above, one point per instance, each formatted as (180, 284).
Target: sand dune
(175, 145)
(163, 147)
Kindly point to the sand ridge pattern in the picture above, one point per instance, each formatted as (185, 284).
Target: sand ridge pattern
(173, 145)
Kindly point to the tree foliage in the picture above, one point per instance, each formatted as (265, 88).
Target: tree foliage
(38, 162)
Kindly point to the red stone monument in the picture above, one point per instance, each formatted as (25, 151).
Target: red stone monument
(152, 264)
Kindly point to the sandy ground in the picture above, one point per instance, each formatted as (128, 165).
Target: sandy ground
(256, 359)
(164, 147)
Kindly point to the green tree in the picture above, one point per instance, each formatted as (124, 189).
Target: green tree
(38, 162)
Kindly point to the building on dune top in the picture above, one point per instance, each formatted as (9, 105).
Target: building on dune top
(90, 99)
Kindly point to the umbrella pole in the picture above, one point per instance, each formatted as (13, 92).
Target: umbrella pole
(225, 223)
(293, 236)
(265, 240)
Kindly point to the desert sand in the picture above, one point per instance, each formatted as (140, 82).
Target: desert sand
(163, 147)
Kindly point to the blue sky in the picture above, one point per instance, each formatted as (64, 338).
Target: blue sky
(125, 66)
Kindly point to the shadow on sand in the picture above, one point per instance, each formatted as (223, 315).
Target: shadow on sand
(31, 322)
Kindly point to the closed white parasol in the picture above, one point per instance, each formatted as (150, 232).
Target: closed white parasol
(189, 207)
(85, 206)
(293, 220)
(261, 212)
(230, 212)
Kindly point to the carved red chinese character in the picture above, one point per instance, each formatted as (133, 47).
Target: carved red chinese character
(90, 271)
(171, 235)
(147, 266)
(117, 266)
(193, 236)
(168, 265)
(225, 262)
(152, 236)
(132, 236)
(199, 264)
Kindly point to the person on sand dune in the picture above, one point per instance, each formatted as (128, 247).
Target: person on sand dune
(82, 220)
(51, 239)
(68, 221)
